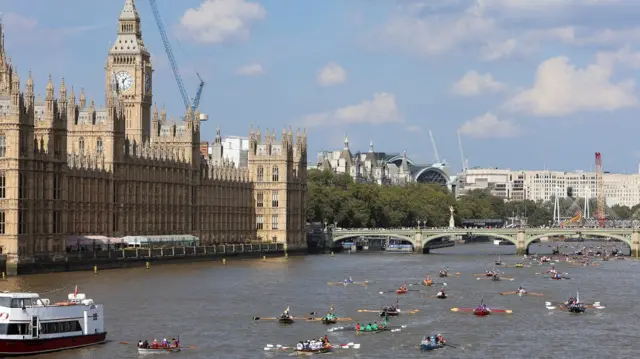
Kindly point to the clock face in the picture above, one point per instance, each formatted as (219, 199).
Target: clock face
(147, 82)
(124, 80)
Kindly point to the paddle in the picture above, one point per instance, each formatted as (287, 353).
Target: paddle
(337, 319)
(506, 311)
(274, 318)
(393, 291)
(181, 347)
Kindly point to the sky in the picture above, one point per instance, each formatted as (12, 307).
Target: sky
(527, 84)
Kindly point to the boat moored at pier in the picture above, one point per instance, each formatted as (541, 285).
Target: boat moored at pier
(32, 325)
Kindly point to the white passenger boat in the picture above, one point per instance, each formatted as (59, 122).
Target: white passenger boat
(32, 325)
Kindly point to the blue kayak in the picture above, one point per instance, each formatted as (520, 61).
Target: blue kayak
(429, 346)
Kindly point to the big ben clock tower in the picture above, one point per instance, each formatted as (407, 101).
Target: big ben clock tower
(129, 74)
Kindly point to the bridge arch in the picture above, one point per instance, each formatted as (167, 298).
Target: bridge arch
(340, 238)
(430, 238)
(626, 240)
(397, 160)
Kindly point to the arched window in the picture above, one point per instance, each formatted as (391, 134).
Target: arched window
(274, 174)
(99, 145)
(3, 145)
(81, 144)
(260, 173)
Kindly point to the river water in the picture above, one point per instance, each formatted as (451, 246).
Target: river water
(211, 306)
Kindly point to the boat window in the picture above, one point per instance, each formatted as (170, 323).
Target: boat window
(60, 327)
(18, 329)
(3, 329)
(5, 302)
(20, 302)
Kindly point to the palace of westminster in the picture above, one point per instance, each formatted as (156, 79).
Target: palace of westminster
(70, 168)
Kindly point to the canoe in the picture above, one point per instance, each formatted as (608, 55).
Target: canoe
(519, 265)
(428, 346)
(157, 350)
(402, 290)
(329, 321)
(285, 320)
(481, 312)
(428, 283)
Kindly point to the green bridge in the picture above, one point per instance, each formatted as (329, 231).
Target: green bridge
(521, 237)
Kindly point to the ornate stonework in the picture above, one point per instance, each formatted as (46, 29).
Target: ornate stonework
(73, 168)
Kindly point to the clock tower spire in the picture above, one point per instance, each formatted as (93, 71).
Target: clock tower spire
(129, 70)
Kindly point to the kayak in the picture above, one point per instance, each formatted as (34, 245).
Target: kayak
(402, 290)
(288, 320)
(326, 320)
(441, 296)
(157, 350)
(481, 312)
(425, 346)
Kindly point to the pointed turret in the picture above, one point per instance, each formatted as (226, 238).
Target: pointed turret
(83, 99)
(49, 95)
(63, 91)
(129, 11)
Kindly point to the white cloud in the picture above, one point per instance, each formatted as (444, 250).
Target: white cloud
(437, 34)
(382, 109)
(624, 56)
(492, 51)
(250, 70)
(561, 88)
(216, 21)
(330, 75)
(489, 126)
(473, 84)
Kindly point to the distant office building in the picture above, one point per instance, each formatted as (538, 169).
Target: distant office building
(231, 150)
(620, 189)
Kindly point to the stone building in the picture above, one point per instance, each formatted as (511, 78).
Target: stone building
(69, 167)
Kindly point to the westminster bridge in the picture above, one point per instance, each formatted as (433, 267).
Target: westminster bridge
(520, 237)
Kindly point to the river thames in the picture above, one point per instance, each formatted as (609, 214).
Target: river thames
(211, 306)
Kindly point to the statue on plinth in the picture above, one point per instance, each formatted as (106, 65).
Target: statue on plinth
(452, 223)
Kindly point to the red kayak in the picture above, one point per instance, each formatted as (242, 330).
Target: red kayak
(402, 290)
(481, 312)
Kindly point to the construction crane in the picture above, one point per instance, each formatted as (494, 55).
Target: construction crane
(600, 190)
(435, 150)
(465, 163)
(174, 65)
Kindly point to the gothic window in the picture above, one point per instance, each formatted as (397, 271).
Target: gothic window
(22, 186)
(22, 222)
(260, 199)
(99, 145)
(3, 185)
(274, 174)
(274, 199)
(274, 221)
(81, 144)
(3, 145)
(260, 222)
(2, 222)
(56, 186)
(260, 173)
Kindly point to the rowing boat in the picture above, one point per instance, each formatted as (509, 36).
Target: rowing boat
(426, 346)
(391, 313)
(386, 329)
(157, 350)
(322, 350)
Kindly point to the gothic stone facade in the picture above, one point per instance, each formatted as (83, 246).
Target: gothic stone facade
(72, 168)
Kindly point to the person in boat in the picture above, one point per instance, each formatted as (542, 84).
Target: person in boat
(348, 281)
(441, 293)
(367, 328)
(300, 346)
(374, 327)
(165, 343)
(140, 343)
(145, 344)
(326, 339)
(357, 326)
(286, 314)
(154, 344)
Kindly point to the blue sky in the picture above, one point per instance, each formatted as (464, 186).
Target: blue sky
(529, 84)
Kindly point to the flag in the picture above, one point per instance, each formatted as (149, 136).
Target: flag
(75, 292)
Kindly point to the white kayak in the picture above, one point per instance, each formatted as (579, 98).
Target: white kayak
(157, 350)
